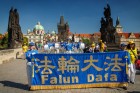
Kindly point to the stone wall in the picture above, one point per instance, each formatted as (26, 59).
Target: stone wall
(9, 55)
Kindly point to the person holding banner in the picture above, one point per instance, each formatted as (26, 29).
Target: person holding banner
(133, 56)
(29, 68)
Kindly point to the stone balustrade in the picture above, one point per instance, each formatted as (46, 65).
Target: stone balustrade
(9, 55)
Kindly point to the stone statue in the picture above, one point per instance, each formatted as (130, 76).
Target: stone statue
(107, 11)
(15, 36)
(107, 29)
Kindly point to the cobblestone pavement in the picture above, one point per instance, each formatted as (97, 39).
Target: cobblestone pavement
(13, 79)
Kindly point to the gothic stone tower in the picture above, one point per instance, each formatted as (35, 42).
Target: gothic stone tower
(63, 30)
(15, 36)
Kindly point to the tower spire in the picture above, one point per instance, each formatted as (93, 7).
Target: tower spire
(62, 20)
(118, 21)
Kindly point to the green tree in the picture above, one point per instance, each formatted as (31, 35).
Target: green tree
(25, 40)
(4, 41)
(0, 40)
(86, 41)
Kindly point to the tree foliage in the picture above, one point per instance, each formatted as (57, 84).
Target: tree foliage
(25, 40)
(86, 41)
(4, 41)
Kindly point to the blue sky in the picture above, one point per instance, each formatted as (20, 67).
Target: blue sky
(83, 16)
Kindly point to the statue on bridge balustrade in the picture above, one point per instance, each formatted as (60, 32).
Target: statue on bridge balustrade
(107, 29)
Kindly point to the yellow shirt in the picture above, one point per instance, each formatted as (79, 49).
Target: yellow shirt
(24, 48)
(102, 47)
(132, 55)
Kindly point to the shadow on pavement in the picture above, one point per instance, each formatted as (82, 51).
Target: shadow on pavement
(134, 92)
(14, 85)
(138, 72)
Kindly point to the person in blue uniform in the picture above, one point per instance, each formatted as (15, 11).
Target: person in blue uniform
(69, 46)
(61, 44)
(51, 46)
(123, 47)
(46, 47)
(32, 50)
(75, 44)
(80, 46)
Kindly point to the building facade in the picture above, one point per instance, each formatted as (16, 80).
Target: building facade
(120, 36)
(36, 35)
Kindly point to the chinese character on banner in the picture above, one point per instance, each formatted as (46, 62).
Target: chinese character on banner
(91, 61)
(115, 63)
(45, 64)
(72, 65)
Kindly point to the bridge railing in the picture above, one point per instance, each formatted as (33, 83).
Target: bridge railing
(9, 54)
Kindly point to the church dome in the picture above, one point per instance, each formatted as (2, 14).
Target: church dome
(53, 32)
(38, 27)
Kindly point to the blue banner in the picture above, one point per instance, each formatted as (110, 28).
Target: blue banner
(62, 71)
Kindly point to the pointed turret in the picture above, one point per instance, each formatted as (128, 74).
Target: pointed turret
(117, 21)
(118, 27)
(62, 20)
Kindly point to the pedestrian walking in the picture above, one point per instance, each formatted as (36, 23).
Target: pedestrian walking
(133, 56)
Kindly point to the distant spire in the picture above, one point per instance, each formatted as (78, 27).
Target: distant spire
(61, 20)
(117, 21)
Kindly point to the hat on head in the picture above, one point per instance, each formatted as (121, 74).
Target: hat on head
(131, 42)
(122, 45)
(31, 44)
(93, 45)
(100, 40)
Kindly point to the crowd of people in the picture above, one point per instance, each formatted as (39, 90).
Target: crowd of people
(74, 47)
(80, 47)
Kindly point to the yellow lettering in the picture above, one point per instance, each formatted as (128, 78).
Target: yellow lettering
(106, 77)
(98, 78)
(75, 79)
(53, 80)
(60, 79)
(113, 77)
(66, 79)
(90, 77)
(43, 78)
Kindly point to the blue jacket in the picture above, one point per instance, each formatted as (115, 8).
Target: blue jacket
(29, 54)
